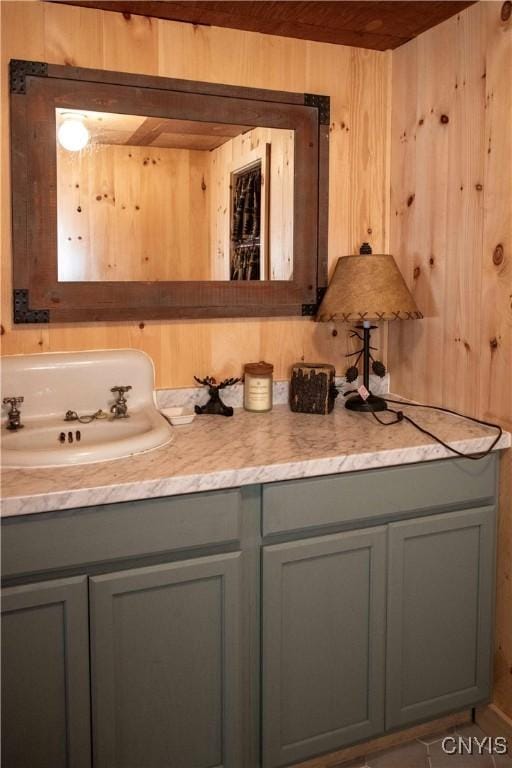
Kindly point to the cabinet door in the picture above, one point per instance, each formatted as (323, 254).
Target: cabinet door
(165, 657)
(45, 675)
(439, 614)
(323, 644)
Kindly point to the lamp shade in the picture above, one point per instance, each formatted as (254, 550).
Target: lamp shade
(367, 287)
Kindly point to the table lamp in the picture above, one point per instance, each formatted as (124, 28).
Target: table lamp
(363, 288)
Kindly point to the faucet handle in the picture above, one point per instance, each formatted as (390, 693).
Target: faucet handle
(121, 390)
(13, 401)
(13, 415)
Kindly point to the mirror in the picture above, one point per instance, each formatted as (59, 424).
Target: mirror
(160, 199)
(137, 197)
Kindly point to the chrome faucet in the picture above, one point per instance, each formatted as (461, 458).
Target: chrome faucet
(120, 408)
(14, 415)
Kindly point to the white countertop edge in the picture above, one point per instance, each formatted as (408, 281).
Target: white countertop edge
(231, 478)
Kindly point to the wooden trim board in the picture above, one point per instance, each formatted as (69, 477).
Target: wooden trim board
(493, 721)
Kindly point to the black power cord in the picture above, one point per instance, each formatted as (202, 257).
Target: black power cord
(401, 416)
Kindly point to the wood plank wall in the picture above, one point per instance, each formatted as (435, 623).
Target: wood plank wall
(133, 213)
(356, 80)
(451, 233)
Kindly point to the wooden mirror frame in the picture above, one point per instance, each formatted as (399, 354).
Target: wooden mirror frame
(38, 89)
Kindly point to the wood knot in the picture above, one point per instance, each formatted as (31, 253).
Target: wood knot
(2, 330)
(444, 119)
(479, 187)
(55, 299)
(498, 255)
(416, 272)
(410, 200)
(334, 332)
(431, 261)
(421, 121)
(99, 197)
(142, 326)
(369, 230)
(506, 10)
(493, 343)
(127, 16)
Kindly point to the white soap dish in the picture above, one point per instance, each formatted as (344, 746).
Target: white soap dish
(178, 416)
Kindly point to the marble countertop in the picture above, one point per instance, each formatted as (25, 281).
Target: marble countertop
(216, 452)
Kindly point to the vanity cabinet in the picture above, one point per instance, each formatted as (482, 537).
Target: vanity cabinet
(324, 627)
(45, 675)
(161, 598)
(165, 655)
(440, 600)
(255, 626)
(374, 628)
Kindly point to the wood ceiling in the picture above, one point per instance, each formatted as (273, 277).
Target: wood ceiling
(367, 24)
(140, 131)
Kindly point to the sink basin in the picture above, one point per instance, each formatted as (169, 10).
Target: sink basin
(54, 383)
(38, 444)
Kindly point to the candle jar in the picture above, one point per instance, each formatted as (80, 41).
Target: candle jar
(258, 386)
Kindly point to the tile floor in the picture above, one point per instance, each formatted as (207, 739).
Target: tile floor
(428, 753)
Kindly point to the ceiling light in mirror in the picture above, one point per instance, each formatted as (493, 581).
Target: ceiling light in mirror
(72, 132)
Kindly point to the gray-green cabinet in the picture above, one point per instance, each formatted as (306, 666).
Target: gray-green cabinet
(323, 643)
(45, 675)
(249, 626)
(166, 656)
(439, 614)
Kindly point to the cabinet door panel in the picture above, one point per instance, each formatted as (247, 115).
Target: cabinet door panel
(323, 644)
(45, 675)
(439, 614)
(165, 664)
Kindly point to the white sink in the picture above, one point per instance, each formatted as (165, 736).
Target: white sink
(54, 383)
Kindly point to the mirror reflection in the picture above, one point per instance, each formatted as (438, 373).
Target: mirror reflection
(156, 199)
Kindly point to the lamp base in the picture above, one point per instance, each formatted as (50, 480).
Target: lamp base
(373, 403)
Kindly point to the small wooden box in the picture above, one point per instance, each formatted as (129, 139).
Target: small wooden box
(312, 388)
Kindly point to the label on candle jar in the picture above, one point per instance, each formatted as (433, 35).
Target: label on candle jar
(258, 393)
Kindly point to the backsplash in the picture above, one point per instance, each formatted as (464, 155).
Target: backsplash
(234, 396)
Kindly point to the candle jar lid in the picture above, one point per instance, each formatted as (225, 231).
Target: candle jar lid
(259, 369)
